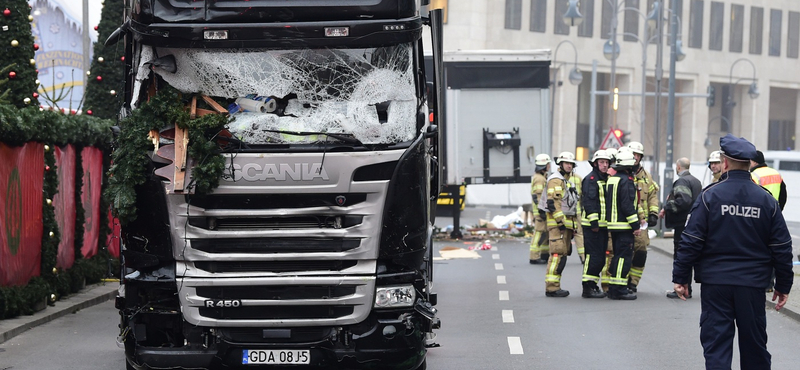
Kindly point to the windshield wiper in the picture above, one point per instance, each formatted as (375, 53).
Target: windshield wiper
(341, 137)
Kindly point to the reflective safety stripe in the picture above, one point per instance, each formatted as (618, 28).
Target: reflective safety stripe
(614, 223)
(586, 276)
(618, 279)
(636, 272)
(537, 238)
(586, 220)
(769, 179)
(551, 276)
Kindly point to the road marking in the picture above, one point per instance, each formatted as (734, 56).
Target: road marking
(795, 236)
(494, 249)
(515, 346)
(508, 316)
(503, 295)
(498, 266)
(495, 256)
(501, 279)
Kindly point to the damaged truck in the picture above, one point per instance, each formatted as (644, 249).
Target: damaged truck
(275, 176)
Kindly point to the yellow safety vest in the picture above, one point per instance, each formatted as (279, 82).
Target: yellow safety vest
(769, 178)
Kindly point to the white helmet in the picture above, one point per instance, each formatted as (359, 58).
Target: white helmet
(601, 154)
(714, 157)
(542, 159)
(612, 152)
(625, 158)
(636, 147)
(565, 157)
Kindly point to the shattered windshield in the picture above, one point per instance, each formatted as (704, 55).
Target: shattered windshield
(367, 94)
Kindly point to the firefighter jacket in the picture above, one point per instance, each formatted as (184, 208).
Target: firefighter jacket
(560, 201)
(538, 183)
(577, 180)
(736, 235)
(771, 180)
(715, 177)
(647, 191)
(621, 202)
(593, 200)
(684, 192)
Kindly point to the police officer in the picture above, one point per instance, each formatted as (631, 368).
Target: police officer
(647, 193)
(594, 224)
(768, 177)
(560, 202)
(623, 223)
(715, 166)
(734, 238)
(539, 251)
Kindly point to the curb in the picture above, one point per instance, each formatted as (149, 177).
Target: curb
(790, 312)
(51, 313)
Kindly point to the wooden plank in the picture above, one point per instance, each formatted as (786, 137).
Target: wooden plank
(193, 108)
(154, 137)
(214, 104)
(181, 143)
(202, 112)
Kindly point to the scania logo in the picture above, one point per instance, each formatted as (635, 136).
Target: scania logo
(278, 172)
(340, 199)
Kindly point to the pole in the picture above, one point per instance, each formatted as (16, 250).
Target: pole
(644, 82)
(86, 47)
(668, 172)
(613, 83)
(593, 110)
(659, 75)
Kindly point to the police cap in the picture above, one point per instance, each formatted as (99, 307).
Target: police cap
(737, 148)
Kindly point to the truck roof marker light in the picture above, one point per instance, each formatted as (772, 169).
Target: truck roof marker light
(394, 27)
(215, 35)
(337, 31)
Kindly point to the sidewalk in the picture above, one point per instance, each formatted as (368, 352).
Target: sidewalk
(90, 296)
(792, 307)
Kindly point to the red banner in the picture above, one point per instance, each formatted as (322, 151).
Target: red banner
(90, 197)
(21, 181)
(64, 202)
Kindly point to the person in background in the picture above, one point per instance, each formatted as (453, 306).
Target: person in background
(768, 177)
(685, 191)
(647, 194)
(594, 223)
(539, 251)
(604, 276)
(560, 201)
(715, 166)
(623, 223)
(735, 237)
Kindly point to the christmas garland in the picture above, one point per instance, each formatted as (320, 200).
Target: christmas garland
(130, 158)
(17, 127)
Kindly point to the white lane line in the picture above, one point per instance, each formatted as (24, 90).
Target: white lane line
(498, 266)
(494, 249)
(515, 346)
(495, 256)
(503, 295)
(795, 236)
(508, 316)
(501, 279)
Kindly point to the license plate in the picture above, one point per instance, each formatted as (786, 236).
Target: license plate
(276, 356)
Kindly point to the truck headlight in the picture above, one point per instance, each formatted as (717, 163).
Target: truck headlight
(394, 296)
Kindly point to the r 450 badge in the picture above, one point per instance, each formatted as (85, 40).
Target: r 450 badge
(223, 303)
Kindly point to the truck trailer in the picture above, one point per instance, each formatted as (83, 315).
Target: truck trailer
(298, 233)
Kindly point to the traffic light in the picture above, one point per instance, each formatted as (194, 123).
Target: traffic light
(622, 135)
(712, 95)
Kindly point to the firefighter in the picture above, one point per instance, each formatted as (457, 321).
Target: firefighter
(594, 224)
(768, 178)
(604, 276)
(715, 166)
(539, 251)
(647, 208)
(578, 237)
(560, 202)
(623, 223)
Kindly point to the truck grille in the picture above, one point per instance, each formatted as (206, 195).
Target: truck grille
(273, 201)
(275, 223)
(277, 292)
(277, 313)
(273, 266)
(275, 245)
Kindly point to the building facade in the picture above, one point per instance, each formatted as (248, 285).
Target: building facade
(728, 45)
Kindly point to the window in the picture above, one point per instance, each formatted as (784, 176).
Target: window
(605, 24)
(696, 24)
(631, 21)
(679, 12)
(789, 165)
(513, 14)
(775, 19)
(793, 38)
(538, 15)
(715, 26)
(756, 29)
(737, 28)
(561, 27)
(781, 137)
(587, 10)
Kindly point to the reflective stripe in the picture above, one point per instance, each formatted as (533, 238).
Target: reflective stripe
(618, 279)
(614, 223)
(769, 179)
(636, 272)
(551, 276)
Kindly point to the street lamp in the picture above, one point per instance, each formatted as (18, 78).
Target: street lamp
(752, 91)
(575, 76)
(573, 15)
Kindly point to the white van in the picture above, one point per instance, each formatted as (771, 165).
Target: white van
(788, 164)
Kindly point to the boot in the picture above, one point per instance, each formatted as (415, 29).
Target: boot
(561, 293)
(590, 290)
(540, 261)
(632, 287)
(618, 292)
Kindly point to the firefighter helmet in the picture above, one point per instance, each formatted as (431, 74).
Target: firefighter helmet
(566, 157)
(625, 158)
(714, 157)
(612, 152)
(601, 154)
(636, 147)
(542, 159)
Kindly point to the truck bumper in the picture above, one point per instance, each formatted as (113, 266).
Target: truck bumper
(387, 344)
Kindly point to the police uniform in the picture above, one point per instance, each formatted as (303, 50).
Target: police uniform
(769, 178)
(593, 216)
(623, 219)
(735, 236)
(560, 201)
(538, 249)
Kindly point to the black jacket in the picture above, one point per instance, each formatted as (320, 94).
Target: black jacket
(680, 200)
(621, 212)
(593, 199)
(736, 236)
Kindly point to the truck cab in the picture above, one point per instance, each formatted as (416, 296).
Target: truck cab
(312, 248)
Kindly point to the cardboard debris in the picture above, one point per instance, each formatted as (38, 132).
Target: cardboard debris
(448, 253)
